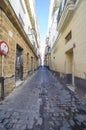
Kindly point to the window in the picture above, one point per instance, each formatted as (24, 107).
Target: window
(22, 6)
(68, 37)
(21, 20)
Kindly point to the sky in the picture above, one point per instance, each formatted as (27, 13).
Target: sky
(42, 9)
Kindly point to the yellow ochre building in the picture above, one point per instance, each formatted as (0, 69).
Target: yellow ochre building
(68, 45)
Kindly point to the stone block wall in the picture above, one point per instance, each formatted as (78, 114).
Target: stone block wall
(12, 37)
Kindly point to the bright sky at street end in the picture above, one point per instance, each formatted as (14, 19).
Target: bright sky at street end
(42, 8)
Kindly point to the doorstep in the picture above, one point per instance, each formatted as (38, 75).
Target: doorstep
(70, 87)
(19, 82)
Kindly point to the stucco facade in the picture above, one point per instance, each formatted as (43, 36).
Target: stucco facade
(52, 22)
(69, 51)
(19, 44)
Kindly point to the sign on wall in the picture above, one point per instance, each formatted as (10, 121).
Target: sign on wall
(4, 49)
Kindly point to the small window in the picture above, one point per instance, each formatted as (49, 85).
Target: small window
(21, 20)
(68, 37)
(22, 6)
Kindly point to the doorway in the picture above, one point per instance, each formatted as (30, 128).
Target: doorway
(19, 63)
(32, 64)
(70, 67)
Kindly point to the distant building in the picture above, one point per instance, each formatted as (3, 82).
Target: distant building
(47, 57)
(19, 41)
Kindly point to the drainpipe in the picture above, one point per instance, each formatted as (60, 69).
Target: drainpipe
(2, 65)
(73, 73)
(2, 61)
(2, 79)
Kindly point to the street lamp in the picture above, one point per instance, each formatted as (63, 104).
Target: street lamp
(32, 30)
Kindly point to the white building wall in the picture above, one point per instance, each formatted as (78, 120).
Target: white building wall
(52, 23)
(26, 19)
(33, 10)
(50, 13)
(22, 12)
(53, 30)
(15, 6)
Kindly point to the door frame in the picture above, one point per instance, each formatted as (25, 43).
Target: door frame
(19, 64)
(70, 54)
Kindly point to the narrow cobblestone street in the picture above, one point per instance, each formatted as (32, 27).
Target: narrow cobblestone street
(42, 103)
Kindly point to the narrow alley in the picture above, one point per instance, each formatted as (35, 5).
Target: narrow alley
(42, 103)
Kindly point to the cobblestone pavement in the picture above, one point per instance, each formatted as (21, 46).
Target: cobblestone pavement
(42, 103)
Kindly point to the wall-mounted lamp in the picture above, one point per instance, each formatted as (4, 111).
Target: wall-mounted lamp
(32, 30)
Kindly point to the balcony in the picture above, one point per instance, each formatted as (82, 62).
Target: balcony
(65, 13)
(47, 50)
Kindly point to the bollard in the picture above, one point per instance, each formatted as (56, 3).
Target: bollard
(2, 87)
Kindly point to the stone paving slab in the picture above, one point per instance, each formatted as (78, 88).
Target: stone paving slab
(42, 103)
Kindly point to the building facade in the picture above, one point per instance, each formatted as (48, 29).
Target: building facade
(52, 31)
(52, 22)
(69, 50)
(47, 54)
(19, 42)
